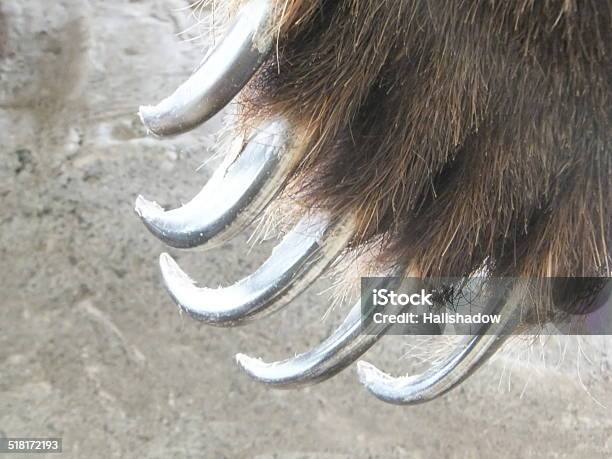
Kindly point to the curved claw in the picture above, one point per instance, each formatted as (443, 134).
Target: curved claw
(295, 263)
(350, 340)
(234, 196)
(459, 365)
(342, 348)
(226, 70)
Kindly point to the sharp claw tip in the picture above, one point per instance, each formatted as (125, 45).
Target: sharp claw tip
(245, 361)
(367, 373)
(144, 111)
(172, 273)
(166, 261)
(145, 209)
(147, 116)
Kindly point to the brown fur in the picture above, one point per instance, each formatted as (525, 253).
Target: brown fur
(468, 133)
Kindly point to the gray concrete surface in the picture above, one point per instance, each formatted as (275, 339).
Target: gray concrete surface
(92, 349)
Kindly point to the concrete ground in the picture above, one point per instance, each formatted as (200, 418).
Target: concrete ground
(92, 349)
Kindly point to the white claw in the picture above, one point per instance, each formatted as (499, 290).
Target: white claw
(235, 195)
(226, 70)
(334, 354)
(349, 341)
(463, 361)
(300, 258)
